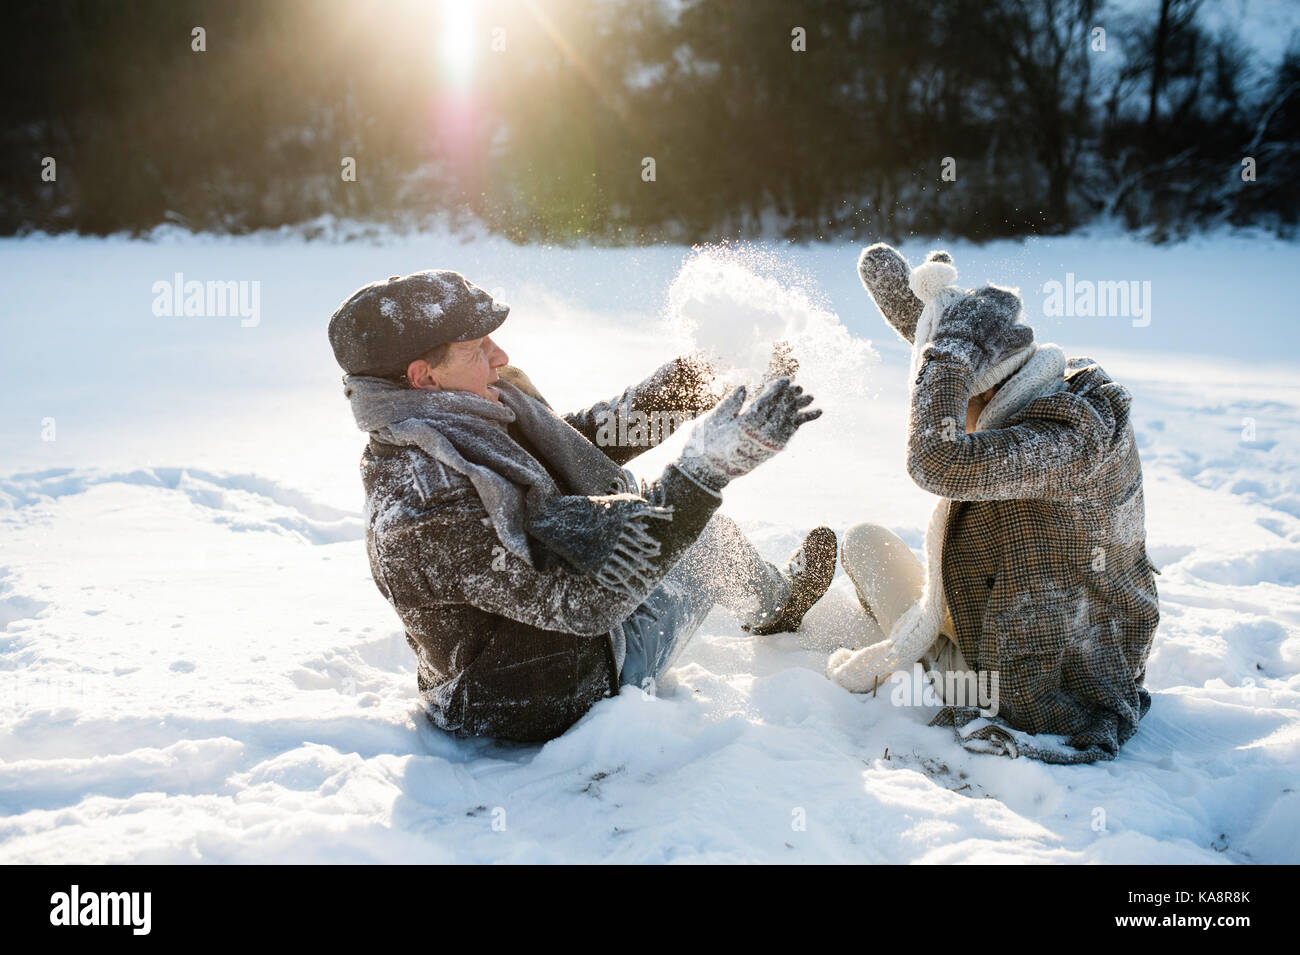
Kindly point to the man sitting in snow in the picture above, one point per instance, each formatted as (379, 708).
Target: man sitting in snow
(533, 576)
(1036, 564)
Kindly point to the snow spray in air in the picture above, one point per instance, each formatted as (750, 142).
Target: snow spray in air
(732, 303)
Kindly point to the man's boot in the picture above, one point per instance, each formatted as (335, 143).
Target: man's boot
(809, 570)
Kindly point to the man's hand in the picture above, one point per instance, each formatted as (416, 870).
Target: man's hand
(696, 377)
(777, 413)
(731, 442)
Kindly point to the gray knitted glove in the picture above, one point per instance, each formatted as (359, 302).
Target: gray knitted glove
(981, 329)
(731, 442)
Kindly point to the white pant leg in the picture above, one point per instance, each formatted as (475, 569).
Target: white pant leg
(889, 579)
(885, 572)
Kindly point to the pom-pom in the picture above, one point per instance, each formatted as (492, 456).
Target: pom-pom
(931, 278)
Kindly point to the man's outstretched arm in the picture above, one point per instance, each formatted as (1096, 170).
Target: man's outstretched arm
(647, 413)
(460, 558)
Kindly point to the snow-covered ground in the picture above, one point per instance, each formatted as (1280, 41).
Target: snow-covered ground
(196, 666)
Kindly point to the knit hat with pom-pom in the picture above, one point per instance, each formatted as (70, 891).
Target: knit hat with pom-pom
(912, 300)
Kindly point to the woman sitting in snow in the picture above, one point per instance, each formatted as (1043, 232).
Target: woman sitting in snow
(1036, 565)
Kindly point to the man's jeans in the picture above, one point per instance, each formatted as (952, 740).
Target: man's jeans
(723, 567)
(660, 628)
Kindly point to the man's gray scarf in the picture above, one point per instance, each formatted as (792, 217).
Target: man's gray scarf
(598, 531)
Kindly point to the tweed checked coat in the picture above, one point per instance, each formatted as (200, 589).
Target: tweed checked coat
(503, 649)
(1045, 569)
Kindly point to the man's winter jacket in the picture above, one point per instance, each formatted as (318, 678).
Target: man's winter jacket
(503, 649)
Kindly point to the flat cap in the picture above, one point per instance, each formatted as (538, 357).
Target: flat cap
(384, 326)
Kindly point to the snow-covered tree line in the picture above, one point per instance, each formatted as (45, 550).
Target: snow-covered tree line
(626, 121)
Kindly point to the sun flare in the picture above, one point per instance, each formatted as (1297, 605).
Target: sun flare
(457, 39)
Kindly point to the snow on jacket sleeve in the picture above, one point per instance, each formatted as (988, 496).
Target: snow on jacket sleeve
(676, 392)
(1059, 445)
(448, 553)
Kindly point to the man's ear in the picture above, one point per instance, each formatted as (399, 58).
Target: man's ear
(420, 375)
